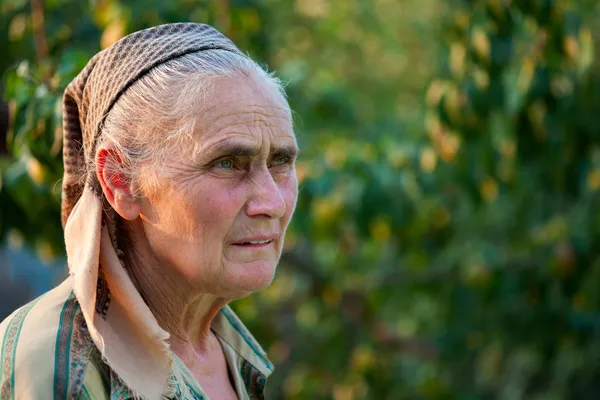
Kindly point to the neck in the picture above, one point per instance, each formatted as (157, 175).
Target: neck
(178, 307)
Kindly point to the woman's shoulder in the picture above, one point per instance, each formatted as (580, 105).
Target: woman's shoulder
(45, 349)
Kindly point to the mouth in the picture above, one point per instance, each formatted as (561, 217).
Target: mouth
(254, 244)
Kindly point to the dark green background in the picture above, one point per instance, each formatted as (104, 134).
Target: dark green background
(446, 242)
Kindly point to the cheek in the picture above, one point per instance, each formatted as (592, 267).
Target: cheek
(182, 212)
(210, 210)
(175, 217)
(218, 204)
(289, 192)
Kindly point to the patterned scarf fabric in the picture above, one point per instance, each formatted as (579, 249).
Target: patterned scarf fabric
(119, 322)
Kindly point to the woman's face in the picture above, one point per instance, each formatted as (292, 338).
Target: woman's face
(225, 197)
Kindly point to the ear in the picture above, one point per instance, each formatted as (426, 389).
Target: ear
(115, 184)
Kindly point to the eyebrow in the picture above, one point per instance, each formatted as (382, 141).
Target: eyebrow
(237, 150)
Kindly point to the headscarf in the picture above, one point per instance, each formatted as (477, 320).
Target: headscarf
(120, 323)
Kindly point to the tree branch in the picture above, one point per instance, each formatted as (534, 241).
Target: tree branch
(39, 29)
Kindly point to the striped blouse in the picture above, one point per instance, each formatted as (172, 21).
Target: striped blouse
(47, 352)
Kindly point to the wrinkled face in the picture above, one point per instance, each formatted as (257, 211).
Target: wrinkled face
(226, 196)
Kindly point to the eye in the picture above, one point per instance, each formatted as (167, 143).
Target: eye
(225, 164)
(279, 161)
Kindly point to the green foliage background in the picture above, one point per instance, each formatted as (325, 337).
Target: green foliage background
(446, 239)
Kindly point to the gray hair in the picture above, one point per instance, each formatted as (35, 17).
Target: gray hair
(157, 112)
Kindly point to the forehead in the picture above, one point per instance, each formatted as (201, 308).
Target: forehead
(245, 106)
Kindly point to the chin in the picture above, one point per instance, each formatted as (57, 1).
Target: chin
(250, 277)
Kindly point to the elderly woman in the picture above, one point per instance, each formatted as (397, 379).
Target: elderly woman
(179, 185)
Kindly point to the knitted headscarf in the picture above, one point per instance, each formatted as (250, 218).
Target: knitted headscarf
(120, 323)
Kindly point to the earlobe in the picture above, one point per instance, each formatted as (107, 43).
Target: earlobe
(115, 184)
(126, 206)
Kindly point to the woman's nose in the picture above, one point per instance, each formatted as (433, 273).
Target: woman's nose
(265, 198)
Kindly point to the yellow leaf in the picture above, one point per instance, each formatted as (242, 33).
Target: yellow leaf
(291, 240)
(537, 115)
(428, 160)
(571, 47)
(247, 309)
(343, 392)
(35, 170)
(294, 382)
(587, 49)
(457, 59)
(302, 171)
(326, 209)
(397, 157)
(461, 20)
(435, 92)
(380, 229)
(307, 315)
(555, 229)
(593, 179)
(312, 8)
(433, 126)
(17, 27)
(335, 156)
(497, 7)
(453, 102)
(447, 147)
(44, 252)
(508, 148)
(489, 189)
(481, 43)
(113, 32)
(250, 19)
(273, 293)
(482, 79)
(525, 75)
(362, 358)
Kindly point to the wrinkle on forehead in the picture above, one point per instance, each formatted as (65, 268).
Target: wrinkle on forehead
(251, 93)
(252, 115)
(258, 144)
(242, 109)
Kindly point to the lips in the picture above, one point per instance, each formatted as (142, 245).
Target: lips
(256, 241)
